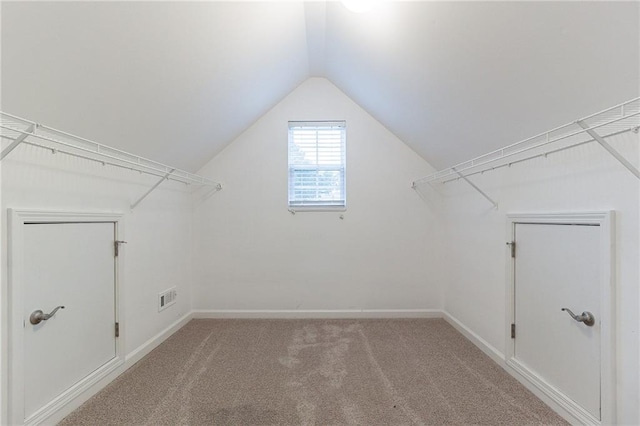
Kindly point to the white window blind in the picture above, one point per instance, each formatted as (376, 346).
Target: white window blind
(317, 164)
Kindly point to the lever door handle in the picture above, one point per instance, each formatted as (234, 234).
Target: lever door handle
(38, 316)
(586, 317)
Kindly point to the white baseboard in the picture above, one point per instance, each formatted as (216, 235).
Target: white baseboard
(482, 344)
(142, 350)
(499, 358)
(569, 410)
(318, 314)
(129, 360)
(69, 400)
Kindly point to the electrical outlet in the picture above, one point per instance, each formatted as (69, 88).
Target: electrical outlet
(167, 298)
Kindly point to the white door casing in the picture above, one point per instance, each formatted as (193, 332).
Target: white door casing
(52, 363)
(564, 261)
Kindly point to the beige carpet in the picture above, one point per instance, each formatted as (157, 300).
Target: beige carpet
(315, 372)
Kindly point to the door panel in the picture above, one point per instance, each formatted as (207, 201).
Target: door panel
(559, 266)
(70, 264)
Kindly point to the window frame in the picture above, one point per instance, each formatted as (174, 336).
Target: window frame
(317, 206)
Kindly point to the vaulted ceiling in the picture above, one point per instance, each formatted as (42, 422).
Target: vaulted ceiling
(178, 81)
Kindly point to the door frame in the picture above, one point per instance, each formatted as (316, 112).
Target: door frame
(606, 222)
(14, 305)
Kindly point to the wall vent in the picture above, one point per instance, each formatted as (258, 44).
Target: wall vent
(167, 298)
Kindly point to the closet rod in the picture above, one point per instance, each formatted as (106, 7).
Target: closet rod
(17, 130)
(103, 162)
(544, 154)
(135, 165)
(502, 154)
(98, 146)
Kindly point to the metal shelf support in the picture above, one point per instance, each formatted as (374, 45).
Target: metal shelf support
(474, 186)
(611, 150)
(146, 194)
(17, 141)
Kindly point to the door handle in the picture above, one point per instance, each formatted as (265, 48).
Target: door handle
(586, 317)
(38, 316)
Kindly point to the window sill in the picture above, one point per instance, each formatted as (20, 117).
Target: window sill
(301, 209)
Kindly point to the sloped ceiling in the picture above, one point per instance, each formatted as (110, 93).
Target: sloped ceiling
(171, 81)
(457, 79)
(177, 82)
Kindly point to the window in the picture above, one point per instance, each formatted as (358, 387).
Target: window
(317, 160)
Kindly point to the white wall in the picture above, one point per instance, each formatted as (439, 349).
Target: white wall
(252, 254)
(158, 253)
(577, 180)
(3, 312)
(396, 248)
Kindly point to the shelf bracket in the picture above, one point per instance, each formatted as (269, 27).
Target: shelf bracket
(146, 194)
(17, 141)
(209, 193)
(611, 150)
(495, 205)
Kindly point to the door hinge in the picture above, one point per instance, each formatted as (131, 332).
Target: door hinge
(117, 329)
(513, 331)
(512, 245)
(116, 245)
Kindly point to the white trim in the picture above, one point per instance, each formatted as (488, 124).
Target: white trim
(303, 203)
(323, 124)
(605, 220)
(55, 406)
(576, 412)
(499, 358)
(142, 350)
(319, 314)
(130, 360)
(52, 216)
(316, 209)
(15, 362)
(137, 354)
(491, 351)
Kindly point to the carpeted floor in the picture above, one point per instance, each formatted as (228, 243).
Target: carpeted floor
(315, 372)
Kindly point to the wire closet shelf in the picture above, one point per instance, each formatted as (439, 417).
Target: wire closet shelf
(596, 127)
(19, 130)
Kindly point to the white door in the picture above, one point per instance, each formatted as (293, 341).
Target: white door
(70, 265)
(559, 266)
